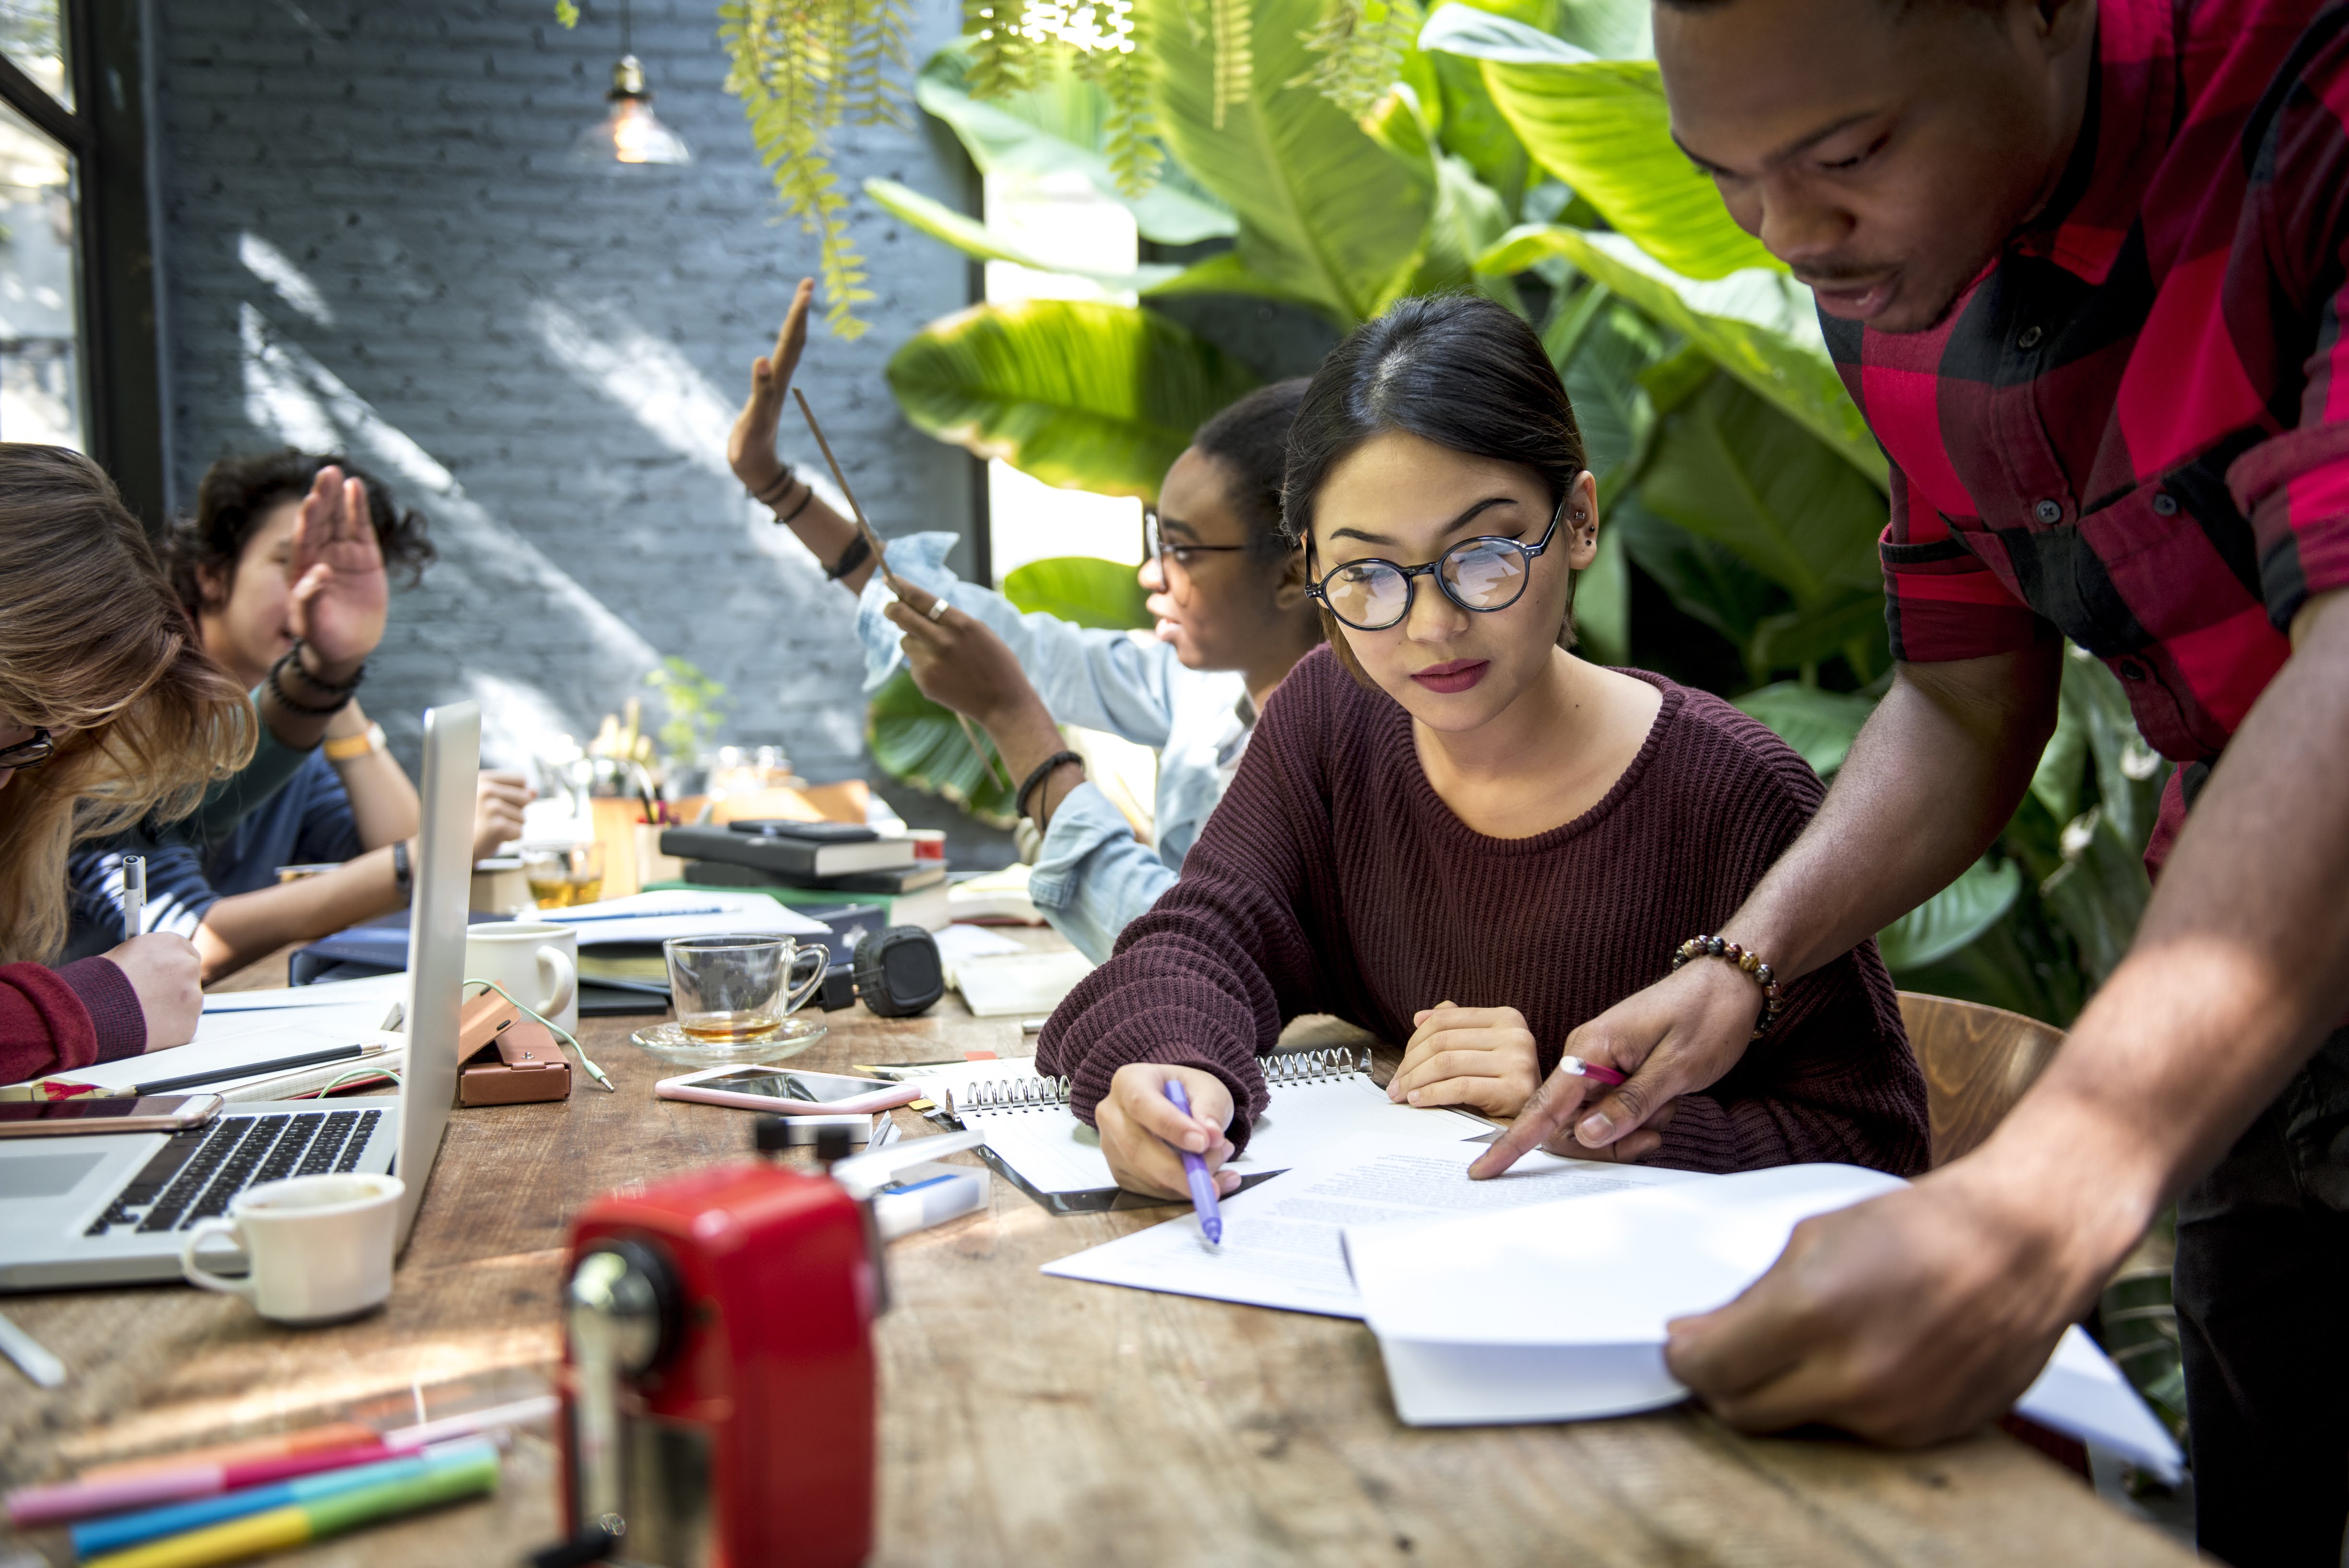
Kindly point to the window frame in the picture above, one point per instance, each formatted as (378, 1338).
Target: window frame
(116, 274)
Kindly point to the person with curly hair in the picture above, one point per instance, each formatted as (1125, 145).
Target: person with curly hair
(235, 566)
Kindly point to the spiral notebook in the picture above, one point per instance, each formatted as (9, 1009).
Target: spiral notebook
(1317, 1100)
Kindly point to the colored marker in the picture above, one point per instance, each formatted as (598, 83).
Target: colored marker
(35, 1505)
(1575, 1068)
(305, 1440)
(1195, 1171)
(282, 1529)
(130, 1528)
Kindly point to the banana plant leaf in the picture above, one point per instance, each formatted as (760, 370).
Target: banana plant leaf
(1084, 591)
(1602, 603)
(1852, 625)
(1325, 211)
(2099, 892)
(1602, 383)
(1058, 126)
(975, 239)
(1225, 273)
(1758, 326)
(915, 740)
(1820, 725)
(2129, 773)
(1081, 395)
(1953, 918)
(2056, 781)
(1704, 579)
(1601, 126)
(1469, 216)
(1730, 467)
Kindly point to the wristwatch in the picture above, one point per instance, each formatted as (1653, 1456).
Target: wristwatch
(348, 748)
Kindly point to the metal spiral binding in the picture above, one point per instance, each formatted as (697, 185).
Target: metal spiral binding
(1009, 1095)
(1305, 1066)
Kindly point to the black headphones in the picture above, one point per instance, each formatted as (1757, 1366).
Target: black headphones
(896, 973)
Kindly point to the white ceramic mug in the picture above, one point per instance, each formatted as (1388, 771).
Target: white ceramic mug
(536, 961)
(319, 1247)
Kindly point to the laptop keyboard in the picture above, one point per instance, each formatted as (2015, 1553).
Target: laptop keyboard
(194, 1175)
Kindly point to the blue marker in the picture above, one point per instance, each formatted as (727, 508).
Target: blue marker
(1195, 1170)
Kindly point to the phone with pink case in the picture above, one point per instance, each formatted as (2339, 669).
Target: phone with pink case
(784, 1092)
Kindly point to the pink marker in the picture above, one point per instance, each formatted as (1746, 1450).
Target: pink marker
(1575, 1066)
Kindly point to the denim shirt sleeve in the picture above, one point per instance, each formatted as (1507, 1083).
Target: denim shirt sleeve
(1093, 877)
(1087, 676)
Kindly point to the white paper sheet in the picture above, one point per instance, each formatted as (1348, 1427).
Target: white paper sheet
(235, 1039)
(1557, 1313)
(680, 912)
(383, 990)
(1020, 985)
(961, 942)
(1305, 1121)
(1282, 1240)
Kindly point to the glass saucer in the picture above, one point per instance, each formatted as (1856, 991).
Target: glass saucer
(672, 1043)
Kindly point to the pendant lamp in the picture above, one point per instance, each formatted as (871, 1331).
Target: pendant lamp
(630, 134)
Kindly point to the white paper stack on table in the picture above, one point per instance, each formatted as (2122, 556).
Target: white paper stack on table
(681, 912)
(1319, 1099)
(253, 1027)
(1542, 1296)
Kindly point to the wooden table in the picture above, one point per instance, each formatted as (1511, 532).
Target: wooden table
(1024, 1420)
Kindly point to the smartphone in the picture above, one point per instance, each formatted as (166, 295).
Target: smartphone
(68, 1118)
(783, 1092)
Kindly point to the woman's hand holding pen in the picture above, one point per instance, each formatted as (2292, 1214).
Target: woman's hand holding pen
(1141, 1129)
(1682, 1034)
(1481, 1057)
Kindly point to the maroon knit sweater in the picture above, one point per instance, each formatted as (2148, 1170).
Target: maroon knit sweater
(1334, 879)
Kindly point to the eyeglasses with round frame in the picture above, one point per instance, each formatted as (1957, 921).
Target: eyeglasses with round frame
(1485, 573)
(1155, 547)
(30, 753)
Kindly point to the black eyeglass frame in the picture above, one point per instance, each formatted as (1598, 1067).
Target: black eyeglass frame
(1319, 590)
(1151, 536)
(27, 754)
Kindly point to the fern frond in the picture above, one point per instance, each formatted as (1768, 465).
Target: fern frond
(1132, 126)
(999, 49)
(566, 13)
(1361, 45)
(1233, 22)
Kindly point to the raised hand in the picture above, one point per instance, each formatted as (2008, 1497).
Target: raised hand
(751, 447)
(339, 591)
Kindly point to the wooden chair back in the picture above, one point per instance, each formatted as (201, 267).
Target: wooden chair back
(1977, 1061)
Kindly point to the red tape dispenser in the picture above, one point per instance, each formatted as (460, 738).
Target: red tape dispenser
(719, 1386)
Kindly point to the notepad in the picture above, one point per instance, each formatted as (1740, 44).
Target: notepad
(1557, 1313)
(235, 1039)
(1283, 1241)
(1317, 1100)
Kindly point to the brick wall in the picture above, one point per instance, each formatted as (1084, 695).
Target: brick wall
(373, 238)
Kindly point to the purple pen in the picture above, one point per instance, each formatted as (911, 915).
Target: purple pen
(1195, 1171)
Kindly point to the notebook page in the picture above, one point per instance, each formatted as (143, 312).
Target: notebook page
(1304, 1121)
(236, 1039)
(1283, 1241)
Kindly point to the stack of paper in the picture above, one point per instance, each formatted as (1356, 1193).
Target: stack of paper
(1557, 1313)
(681, 912)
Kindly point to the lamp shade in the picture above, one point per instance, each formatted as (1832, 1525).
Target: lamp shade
(630, 133)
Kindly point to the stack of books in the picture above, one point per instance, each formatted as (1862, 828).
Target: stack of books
(816, 866)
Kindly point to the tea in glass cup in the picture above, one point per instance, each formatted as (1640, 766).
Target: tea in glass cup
(561, 875)
(731, 989)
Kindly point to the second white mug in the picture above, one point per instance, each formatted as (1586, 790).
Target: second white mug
(536, 961)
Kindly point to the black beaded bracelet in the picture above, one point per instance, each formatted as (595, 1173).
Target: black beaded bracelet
(849, 558)
(1774, 1001)
(1043, 771)
(276, 688)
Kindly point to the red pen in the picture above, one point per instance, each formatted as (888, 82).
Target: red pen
(1575, 1066)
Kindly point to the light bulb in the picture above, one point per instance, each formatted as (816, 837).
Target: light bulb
(630, 133)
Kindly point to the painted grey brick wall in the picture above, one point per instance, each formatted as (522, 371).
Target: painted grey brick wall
(373, 238)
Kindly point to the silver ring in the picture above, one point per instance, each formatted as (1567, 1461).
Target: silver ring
(938, 609)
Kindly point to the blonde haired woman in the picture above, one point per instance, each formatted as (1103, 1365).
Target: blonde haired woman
(112, 714)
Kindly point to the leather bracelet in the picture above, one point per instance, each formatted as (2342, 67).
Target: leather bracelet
(401, 873)
(276, 689)
(775, 492)
(350, 748)
(1774, 1001)
(794, 515)
(1043, 771)
(849, 558)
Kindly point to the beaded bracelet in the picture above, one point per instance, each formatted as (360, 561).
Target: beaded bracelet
(342, 694)
(1774, 1001)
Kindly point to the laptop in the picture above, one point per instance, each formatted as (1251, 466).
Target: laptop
(108, 1209)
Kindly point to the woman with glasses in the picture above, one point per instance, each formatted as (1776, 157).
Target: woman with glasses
(110, 713)
(1226, 588)
(1453, 831)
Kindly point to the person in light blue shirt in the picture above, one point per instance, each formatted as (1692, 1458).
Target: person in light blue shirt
(1228, 594)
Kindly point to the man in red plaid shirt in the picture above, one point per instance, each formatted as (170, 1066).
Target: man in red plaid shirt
(2083, 265)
